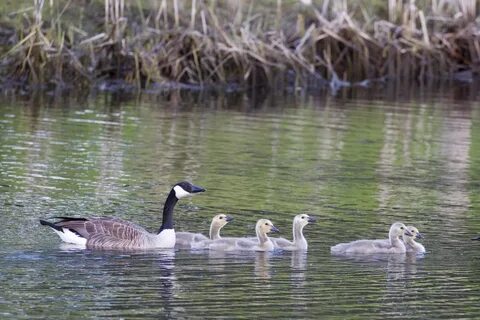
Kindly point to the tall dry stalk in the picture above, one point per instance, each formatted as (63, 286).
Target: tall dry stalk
(247, 43)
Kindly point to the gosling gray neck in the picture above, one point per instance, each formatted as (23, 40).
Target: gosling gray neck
(214, 231)
(395, 241)
(409, 241)
(298, 238)
(411, 244)
(262, 238)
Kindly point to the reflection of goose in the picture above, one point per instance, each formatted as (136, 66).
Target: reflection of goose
(410, 244)
(392, 245)
(299, 242)
(115, 233)
(188, 239)
(263, 242)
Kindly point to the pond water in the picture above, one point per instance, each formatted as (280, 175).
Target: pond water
(357, 162)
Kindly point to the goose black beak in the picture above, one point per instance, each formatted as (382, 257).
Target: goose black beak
(274, 229)
(197, 189)
(228, 218)
(311, 220)
(419, 236)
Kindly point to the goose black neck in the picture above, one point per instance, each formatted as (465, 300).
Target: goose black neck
(167, 220)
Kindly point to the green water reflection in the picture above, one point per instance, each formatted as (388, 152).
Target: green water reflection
(356, 164)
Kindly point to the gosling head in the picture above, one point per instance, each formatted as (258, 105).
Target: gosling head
(221, 219)
(303, 219)
(265, 226)
(184, 189)
(416, 235)
(398, 229)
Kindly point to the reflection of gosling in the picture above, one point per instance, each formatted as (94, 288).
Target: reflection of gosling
(392, 245)
(189, 239)
(262, 243)
(410, 243)
(299, 242)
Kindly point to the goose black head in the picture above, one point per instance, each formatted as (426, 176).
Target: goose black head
(184, 189)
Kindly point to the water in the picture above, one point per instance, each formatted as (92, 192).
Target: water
(357, 162)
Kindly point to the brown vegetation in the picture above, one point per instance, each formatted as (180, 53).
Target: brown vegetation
(242, 43)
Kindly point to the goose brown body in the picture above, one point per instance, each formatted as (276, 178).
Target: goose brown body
(115, 233)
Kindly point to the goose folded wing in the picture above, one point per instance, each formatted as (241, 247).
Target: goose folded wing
(112, 227)
(110, 242)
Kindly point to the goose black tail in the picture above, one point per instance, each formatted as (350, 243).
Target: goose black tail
(70, 219)
(51, 225)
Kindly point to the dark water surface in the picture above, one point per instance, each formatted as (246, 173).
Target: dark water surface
(357, 164)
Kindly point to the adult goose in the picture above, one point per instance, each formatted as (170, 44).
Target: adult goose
(262, 243)
(115, 233)
(410, 244)
(391, 245)
(190, 239)
(299, 242)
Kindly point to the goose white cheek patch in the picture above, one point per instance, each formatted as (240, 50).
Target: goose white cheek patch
(180, 192)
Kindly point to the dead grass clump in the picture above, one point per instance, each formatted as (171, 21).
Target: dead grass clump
(247, 43)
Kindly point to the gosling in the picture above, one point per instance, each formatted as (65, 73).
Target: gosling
(391, 245)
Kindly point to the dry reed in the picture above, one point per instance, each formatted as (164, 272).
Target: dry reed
(243, 43)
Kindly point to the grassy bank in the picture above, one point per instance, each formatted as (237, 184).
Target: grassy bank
(161, 43)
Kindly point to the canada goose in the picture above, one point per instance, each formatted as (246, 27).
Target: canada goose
(188, 239)
(299, 242)
(115, 233)
(392, 245)
(262, 243)
(410, 244)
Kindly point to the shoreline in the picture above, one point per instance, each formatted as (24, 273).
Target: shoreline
(235, 44)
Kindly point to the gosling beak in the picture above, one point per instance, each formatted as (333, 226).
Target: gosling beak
(228, 218)
(408, 233)
(477, 238)
(311, 220)
(197, 189)
(274, 229)
(419, 236)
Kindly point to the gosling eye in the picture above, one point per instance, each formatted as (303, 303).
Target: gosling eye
(401, 228)
(266, 223)
(221, 218)
(303, 217)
